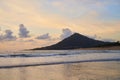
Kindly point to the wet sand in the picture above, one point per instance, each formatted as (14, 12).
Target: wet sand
(77, 71)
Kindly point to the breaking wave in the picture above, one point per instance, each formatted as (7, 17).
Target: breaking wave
(39, 58)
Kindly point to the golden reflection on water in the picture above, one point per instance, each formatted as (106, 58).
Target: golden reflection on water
(78, 71)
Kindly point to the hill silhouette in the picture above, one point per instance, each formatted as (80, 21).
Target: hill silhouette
(76, 41)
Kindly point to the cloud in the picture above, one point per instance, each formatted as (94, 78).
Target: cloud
(23, 32)
(66, 33)
(7, 36)
(108, 40)
(102, 39)
(94, 37)
(44, 36)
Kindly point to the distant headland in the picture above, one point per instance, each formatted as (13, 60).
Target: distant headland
(79, 41)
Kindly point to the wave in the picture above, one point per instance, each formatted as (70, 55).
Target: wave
(56, 63)
(34, 55)
(29, 59)
(52, 53)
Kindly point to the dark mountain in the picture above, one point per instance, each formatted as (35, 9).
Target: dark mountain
(73, 42)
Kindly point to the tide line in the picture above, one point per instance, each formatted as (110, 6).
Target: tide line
(56, 63)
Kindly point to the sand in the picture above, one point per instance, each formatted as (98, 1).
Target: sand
(77, 71)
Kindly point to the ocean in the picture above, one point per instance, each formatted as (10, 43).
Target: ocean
(60, 65)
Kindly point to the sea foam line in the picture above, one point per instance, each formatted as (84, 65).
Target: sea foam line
(55, 63)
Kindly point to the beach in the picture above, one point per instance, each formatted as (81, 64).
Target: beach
(61, 65)
(59, 40)
(77, 71)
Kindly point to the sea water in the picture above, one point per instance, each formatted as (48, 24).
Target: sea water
(60, 65)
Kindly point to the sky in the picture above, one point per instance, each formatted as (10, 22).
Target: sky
(28, 24)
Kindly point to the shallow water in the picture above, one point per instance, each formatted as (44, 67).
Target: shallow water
(77, 71)
(60, 65)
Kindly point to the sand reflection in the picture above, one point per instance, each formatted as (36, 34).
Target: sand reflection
(77, 71)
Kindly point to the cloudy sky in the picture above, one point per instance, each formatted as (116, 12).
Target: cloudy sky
(34, 23)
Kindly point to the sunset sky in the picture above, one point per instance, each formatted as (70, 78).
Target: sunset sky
(27, 24)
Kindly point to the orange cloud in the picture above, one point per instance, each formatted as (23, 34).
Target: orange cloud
(43, 16)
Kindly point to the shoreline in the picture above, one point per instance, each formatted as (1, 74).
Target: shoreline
(58, 63)
(101, 48)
